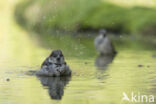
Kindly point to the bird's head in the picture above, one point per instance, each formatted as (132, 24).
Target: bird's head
(103, 32)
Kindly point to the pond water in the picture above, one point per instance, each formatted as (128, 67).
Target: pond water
(95, 80)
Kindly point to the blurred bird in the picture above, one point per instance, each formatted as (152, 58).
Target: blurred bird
(103, 44)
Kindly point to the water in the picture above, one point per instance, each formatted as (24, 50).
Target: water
(131, 70)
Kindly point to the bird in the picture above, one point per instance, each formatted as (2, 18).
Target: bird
(54, 65)
(103, 44)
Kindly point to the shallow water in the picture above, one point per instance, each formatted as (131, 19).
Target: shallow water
(133, 69)
(88, 84)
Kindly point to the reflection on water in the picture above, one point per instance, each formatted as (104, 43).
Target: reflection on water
(102, 61)
(55, 85)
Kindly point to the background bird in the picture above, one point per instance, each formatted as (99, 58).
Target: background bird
(103, 44)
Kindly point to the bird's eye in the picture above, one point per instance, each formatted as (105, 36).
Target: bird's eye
(61, 55)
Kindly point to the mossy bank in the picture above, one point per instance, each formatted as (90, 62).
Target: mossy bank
(84, 15)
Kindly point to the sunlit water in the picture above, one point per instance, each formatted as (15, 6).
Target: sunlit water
(131, 70)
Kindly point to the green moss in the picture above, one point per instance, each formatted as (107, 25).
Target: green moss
(142, 20)
(74, 15)
(106, 16)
